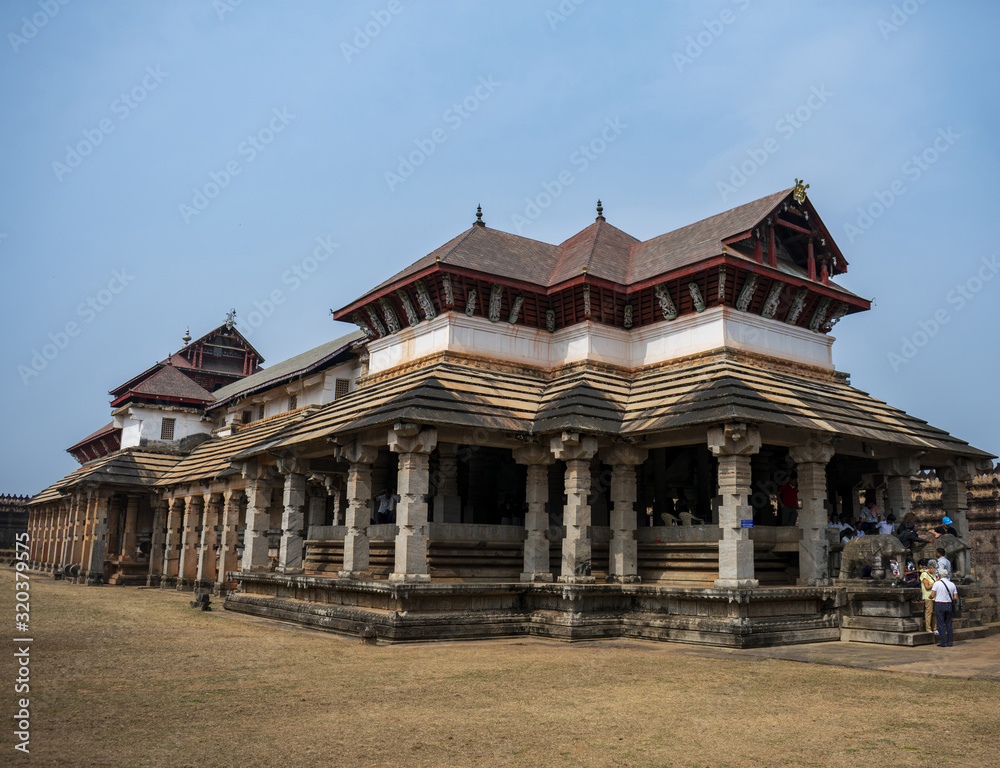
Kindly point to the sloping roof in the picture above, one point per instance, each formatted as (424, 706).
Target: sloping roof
(721, 387)
(169, 382)
(128, 467)
(602, 250)
(293, 366)
(104, 431)
(214, 457)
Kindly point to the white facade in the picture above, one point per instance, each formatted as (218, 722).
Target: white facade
(712, 329)
(142, 424)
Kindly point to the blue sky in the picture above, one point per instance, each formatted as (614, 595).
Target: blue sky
(163, 163)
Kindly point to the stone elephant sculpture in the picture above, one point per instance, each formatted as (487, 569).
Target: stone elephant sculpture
(874, 551)
(952, 545)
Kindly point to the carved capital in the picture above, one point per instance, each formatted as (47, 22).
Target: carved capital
(290, 464)
(533, 453)
(572, 446)
(356, 453)
(734, 440)
(957, 470)
(409, 438)
(624, 453)
(903, 466)
(813, 452)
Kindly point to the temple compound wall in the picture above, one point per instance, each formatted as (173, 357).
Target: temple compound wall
(13, 518)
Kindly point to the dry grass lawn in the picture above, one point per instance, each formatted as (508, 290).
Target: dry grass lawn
(130, 677)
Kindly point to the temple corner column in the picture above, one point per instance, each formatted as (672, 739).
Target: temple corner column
(624, 550)
(359, 509)
(811, 461)
(537, 458)
(414, 446)
(733, 445)
(577, 451)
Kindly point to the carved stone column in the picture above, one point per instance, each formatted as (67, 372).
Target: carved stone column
(537, 457)
(899, 490)
(74, 516)
(576, 451)
(292, 516)
(81, 528)
(447, 502)
(255, 544)
(359, 508)
(733, 445)
(955, 478)
(129, 534)
(207, 555)
(98, 538)
(156, 544)
(172, 544)
(228, 536)
(414, 446)
(624, 560)
(814, 549)
(187, 569)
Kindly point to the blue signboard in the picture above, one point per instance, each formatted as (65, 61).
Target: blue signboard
(746, 523)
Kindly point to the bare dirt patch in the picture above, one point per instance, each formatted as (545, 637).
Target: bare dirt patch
(130, 677)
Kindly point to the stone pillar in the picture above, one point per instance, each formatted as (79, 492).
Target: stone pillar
(413, 484)
(955, 478)
(899, 489)
(172, 543)
(228, 536)
(129, 534)
(187, 569)
(292, 522)
(814, 549)
(73, 514)
(205, 575)
(258, 521)
(98, 538)
(157, 555)
(81, 528)
(733, 445)
(359, 508)
(537, 457)
(447, 502)
(576, 451)
(624, 560)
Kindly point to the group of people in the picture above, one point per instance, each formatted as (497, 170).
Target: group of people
(939, 594)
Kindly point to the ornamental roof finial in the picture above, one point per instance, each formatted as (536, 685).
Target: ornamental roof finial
(799, 192)
(186, 338)
(479, 217)
(600, 210)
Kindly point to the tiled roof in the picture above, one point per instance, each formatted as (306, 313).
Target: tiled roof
(214, 457)
(294, 366)
(104, 431)
(601, 249)
(169, 382)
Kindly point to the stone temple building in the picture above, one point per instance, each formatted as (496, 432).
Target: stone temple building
(574, 441)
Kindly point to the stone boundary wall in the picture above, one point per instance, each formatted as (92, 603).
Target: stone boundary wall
(13, 518)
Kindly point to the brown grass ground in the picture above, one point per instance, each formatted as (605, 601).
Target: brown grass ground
(128, 677)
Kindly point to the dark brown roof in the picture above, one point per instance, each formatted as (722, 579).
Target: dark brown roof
(602, 250)
(104, 431)
(128, 467)
(170, 382)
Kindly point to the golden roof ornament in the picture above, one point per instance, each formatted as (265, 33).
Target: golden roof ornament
(799, 193)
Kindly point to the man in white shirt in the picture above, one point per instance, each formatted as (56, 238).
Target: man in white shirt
(944, 593)
(888, 526)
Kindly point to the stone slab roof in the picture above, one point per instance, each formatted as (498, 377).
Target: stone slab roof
(715, 388)
(170, 382)
(214, 457)
(127, 467)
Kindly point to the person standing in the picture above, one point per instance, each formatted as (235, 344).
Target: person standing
(943, 563)
(944, 593)
(788, 495)
(927, 579)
